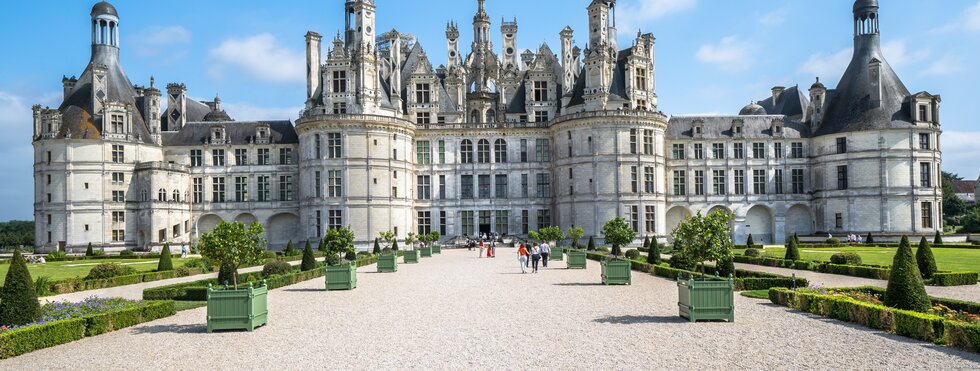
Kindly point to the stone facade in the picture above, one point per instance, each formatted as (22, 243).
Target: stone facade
(495, 141)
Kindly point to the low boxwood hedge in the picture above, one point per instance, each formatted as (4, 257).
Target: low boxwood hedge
(953, 278)
(866, 271)
(958, 305)
(921, 326)
(76, 284)
(745, 280)
(108, 322)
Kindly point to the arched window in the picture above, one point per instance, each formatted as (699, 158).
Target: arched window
(475, 117)
(466, 152)
(162, 195)
(176, 196)
(491, 116)
(500, 151)
(483, 151)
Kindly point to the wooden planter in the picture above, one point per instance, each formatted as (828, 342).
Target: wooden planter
(436, 249)
(557, 253)
(616, 272)
(411, 256)
(425, 252)
(576, 259)
(387, 263)
(242, 309)
(706, 300)
(341, 277)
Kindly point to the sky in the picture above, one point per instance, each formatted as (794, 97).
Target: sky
(712, 56)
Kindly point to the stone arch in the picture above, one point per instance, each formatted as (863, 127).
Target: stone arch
(675, 216)
(281, 228)
(799, 220)
(246, 218)
(207, 223)
(758, 223)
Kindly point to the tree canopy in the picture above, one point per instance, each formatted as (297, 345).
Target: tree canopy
(700, 238)
(234, 244)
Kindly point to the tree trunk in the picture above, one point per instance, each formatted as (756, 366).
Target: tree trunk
(234, 277)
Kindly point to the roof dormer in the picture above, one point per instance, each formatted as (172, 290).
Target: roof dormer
(738, 128)
(218, 134)
(697, 128)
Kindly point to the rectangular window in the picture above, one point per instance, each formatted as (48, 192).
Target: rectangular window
(500, 151)
(543, 185)
(335, 219)
(340, 108)
(424, 222)
(262, 156)
(339, 81)
(796, 150)
(117, 196)
(544, 218)
(739, 182)
(650, 219)
(501, 225)
(241, 156)
(680, 183)
(118, 235)
(842, 177)
(542, 151)
(777, 148)
(677, 151)
(116, 123)
(633, 141)
(285, 156)
(263, 188)
(927, 215)
(758, 150)
(394, 192)
(923, 110)
(467, 221)
(839, 220)
(319, 224)
(423, 152)
(570, 144)
(777, 180)
(442, 152)
(718, 182)
(317, 184)
(117, 217)
(759, 182)
(648, 142)
(317, 152)
(116, 178)
(197, 159)
(442, 187)
(540, 91)
(648, 182)
(525, 221)
(241, 189)
(466, 186)
(198, 190)
(500, 186)
(524, 186)
(635, 218)
(422, 94)
(285, 188)
(924, 141)
(442, 223)
(334, 145)
(118, 154)
(483, 182)
(699, 182)
(739, 150)
(523, 150)
(797, 180)
(925, 175)
(217, 189)
(841, 145)
(176, 230)
(698, 151)
(641, 79)
(540, 116)
(634, 179)
(424, 187)
(718, 150)
(423, 118)
(217, 157)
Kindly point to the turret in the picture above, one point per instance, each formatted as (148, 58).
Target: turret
(508, 31)
(481, 26)
(602, 23)
(818, 102)
(312, 63)
(452, 44)
(569, 60)
(176, 106)
(360, 25)
(105, 33)
(151, 111)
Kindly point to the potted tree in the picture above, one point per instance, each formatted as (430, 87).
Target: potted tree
(553, 235)
(697, 239)
(424, 251)
(577, 258)
(340, 274)
(387, 258)
(616, 271)
(433, 242)
(575, 234)
(234, 308)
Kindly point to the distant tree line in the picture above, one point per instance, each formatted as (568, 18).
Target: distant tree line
(17, 233)
(957, 212)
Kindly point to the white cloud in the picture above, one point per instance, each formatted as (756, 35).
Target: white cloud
(15, 113)
(261, 57)
(946, 65)
(157, 40)
(730, 53)
(635, 15)
(971, 20)
(244, 111)
(897, 54)
(960, 152)
(830, 67)
(776, 17)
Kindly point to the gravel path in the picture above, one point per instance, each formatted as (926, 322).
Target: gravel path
(971, 293)
(455, 311)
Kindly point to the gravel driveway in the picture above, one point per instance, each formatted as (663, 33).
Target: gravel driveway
(456, 311)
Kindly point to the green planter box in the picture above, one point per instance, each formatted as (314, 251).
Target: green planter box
(436, 249)
(576, 259)
(557, 253)
(426, 252)
(341, 277)
(242, 309)
(411, 256)
(706, 300)
(616, 272)
(387, 263)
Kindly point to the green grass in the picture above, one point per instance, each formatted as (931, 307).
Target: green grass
(756, 294)
(947, 259)
(185, 305)
(56, 271)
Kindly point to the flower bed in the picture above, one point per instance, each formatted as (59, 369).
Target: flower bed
(744, 280)
(851, 308)
(66, 322)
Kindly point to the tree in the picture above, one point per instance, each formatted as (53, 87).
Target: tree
(289, 250)
(653, 254)
(339, 241)
(905, 287)
(551, 234)
(18, 300)
(618, 233)
(321, 247)
(575, 233)
(700, 238)
(971, 221)
(309, 260)
(394, 246)
(870, 239)
(938, 239)
(953, 207)
(234, 244)
(377, 247)
(387, 237)
(88, 250)
(793, 249)
(591, 245)
(750, 242)
(924, 259)
(166, 263)
(534, 236)
(410, 240)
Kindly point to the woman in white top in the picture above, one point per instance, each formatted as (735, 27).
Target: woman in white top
(535, 257)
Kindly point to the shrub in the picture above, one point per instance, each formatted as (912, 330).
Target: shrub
(127, 253)
(266, 255)
(653, 254)
(289, 250)
(938, 239)
(591, 245)
(377, 247)
(363, 255)
(846, 258)
(350, 255)
(726, 266)
(166, 264)
(88, 250)
(98, 254)
(227, 274)
(108, 270)
(200, 263)
(632, 254)
(954, 278)
(646, 243)
(182, 271)
(602, 249)
(792, 250)
(924, 259)
(24, 340)
(679, 261)
(18, 299)
(750, 242)
(332, 260)
(57, 256)
(42, 286)
(905, 287)
(309, 261)
(833, 241)
(870, 239)
(276, 267)
(394, 246)
(752, 252)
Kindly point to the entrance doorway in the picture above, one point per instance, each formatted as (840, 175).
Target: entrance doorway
(485, 229)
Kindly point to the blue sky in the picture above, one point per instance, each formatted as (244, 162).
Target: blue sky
(712, 56)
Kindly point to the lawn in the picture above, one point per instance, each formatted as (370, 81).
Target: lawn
(69, 269)
(947, 259)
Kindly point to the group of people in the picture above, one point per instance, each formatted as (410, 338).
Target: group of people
(35, 259)
(529, 255)
(491, 248)
(851, 238)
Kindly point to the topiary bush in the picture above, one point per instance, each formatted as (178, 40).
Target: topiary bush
(350, 255)
(126, 253)
(905, 287)
(377, 247)
(165, 264)
(846, 258)
(266, 255)
(792, 250)
(726, 267)
(276, 267)
(938, 239)
(289, 250)
(602, 249)
(924, 259)
(88, 250)
(591, 245)
(653, 254)
(108, 270)
(394, 246)
(833, 241)
(750, 242)
(332, 260)
(752, 252)
(646, 243)
(18, 299)
(870, 240)
(632, 254)
(309, 261)
(98, 253)
(680, 262)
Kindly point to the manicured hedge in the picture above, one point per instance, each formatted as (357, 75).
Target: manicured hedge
(745, 280)
(953, 278)
(866, 271)
(24, 340)
(921, 326)
(958, 305)
(76, 284)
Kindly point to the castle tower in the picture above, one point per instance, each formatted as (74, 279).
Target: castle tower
(176, 106)
(481, 26)
(569, 61)
(312, 65)
(508, 31)
(452, 45)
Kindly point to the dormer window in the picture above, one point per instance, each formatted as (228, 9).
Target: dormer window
(697, 129)
(218, 135)
(737, 128)
(923, 113)
(117, 123)
(422, 95)
(339, 81)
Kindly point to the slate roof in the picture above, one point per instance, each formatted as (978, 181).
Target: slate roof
(196, 111)
(239, 133)
(964, 186)
(720, 127)
(792, 102)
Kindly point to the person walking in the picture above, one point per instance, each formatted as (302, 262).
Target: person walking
(493, 248)
(545, 253)
(522, 258)
(183, 251)
(535, 257)
(481, 249)
(527, 248)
